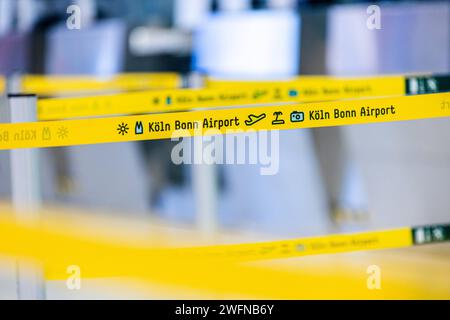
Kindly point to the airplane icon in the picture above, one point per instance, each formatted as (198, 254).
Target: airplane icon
(252, 119)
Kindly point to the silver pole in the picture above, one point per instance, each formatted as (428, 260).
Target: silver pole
(26, 193)
(204, 183)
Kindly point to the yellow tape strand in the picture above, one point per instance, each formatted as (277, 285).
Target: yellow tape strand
(375, 240)
(317, 82)
(188, 99)
(201, 267)
(54, 247)
(223, 121)
(49, 85)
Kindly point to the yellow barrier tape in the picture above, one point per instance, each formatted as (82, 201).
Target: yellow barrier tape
(58, 84)
(420, 79)
(185, 99)
(375, 240)
(317, 80)
(2, 85)
(224, 121)
(216, 269)
(49, 244)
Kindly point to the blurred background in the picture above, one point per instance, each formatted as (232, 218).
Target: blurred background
(329, 180)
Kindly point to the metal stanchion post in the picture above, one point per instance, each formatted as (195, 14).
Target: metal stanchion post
(205, 183)
(26, 192)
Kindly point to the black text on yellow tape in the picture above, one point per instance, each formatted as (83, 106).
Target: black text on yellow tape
(223, 121)
(330, 244)
(235, 94)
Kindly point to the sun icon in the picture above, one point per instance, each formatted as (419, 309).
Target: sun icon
(62, 132)
(123, 128)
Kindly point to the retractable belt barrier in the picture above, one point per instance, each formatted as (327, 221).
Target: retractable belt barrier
(50, 85)
(223, 121)
(416, 83)
(210, 264)
(57, 249)
(303, 90)
(341, 243)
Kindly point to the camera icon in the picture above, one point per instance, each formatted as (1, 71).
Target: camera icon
(297, 116)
